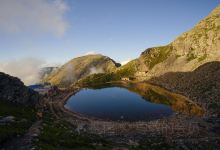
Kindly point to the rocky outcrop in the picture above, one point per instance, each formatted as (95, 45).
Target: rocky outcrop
(201, 85)
(14, 91)
(81, 67)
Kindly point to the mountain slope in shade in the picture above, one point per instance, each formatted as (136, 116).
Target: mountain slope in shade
(80, 67)
(201, 85)
(14, 91)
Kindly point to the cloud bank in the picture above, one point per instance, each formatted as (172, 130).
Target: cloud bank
(26, 69)
(33, 16)
(94, 70)
(125, 62)
(90, 53)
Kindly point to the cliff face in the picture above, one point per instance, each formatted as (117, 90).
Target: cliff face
(14, 91)
(190, 50)
(81, 67)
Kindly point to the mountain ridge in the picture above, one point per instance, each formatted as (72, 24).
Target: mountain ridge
(187, 52)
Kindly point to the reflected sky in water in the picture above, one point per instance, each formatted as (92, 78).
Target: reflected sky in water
(116, 103)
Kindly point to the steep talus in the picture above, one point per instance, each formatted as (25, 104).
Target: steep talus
(201, 85)
(14, 91)
(81, 67)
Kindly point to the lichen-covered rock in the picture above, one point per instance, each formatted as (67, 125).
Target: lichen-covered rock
(14, 91)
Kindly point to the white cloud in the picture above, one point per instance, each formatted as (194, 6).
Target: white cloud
(33, 16)
(94, 70)
(90, 53)
(26, 69)
(125, 62)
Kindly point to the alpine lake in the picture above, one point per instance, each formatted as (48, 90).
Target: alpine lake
(130, 102)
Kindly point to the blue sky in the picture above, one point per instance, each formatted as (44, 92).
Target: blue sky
(120, 29)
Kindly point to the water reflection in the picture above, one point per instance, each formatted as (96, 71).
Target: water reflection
(130, 102)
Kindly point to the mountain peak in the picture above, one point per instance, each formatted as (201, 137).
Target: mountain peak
(216, 11)
(81, 67)
(187, 52)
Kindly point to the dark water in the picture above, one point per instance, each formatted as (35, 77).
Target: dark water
(116, 103)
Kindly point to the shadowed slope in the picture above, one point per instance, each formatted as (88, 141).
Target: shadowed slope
(201, 85)
(14, 91)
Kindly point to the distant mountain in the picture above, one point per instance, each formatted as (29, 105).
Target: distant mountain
(14, 91)
(81, 67)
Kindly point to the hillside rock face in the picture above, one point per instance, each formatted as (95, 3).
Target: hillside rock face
(81, 67)
(201, 85)
(190, 50)
(14, 91)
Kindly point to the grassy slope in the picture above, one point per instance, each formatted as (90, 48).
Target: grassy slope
(81, 67)
(24, 117)
(156, 55)
(150, 58)
(59, 134)
(127, 70)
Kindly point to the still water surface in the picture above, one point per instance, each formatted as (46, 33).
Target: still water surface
(115, 103)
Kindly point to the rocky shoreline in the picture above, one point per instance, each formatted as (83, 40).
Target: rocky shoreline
(175, 128)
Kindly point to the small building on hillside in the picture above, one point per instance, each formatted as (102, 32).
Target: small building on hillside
(128, 78)
(125, 79)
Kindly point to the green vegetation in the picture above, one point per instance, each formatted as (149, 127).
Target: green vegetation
(97, 79)
(157, 55)
(81, 67)
(24, 118)
(191, 56)
(127, 70)
(154, 143)
(177, 56)
(59, 134)
(202, 57)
